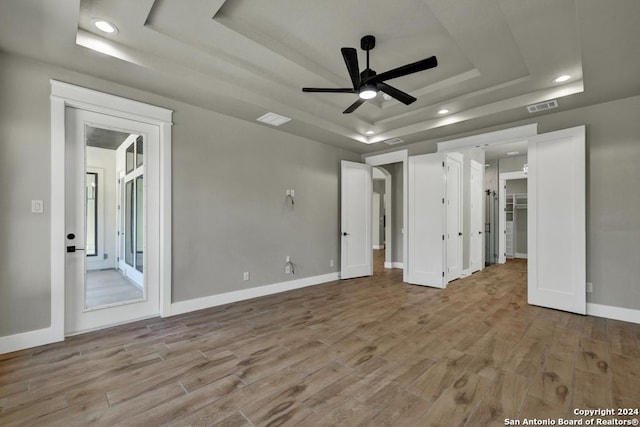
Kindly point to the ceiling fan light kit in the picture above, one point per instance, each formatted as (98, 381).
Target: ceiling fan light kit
(368, 83)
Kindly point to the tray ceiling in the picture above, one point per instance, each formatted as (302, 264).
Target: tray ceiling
(247, 57)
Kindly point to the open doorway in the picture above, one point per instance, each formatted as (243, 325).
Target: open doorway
(389, 182)
(387, 217)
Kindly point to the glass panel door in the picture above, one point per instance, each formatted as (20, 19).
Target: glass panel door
(114, 219)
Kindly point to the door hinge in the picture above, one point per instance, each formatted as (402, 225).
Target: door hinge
(443, 164)
(443, 274)
(443, 200)
(443, 237)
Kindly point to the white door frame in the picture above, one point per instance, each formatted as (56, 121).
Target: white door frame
(67, 95)
(502, 226)
(385, 159)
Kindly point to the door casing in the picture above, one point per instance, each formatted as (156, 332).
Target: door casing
(67, 95)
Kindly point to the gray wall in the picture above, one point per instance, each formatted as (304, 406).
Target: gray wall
(229, 208)
(379, 187)
(516, 186)
(397, 200)
(512, 164)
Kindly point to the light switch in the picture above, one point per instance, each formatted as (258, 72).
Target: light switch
(37, 206)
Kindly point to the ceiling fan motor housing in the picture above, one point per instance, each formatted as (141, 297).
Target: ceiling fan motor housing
(368, 42)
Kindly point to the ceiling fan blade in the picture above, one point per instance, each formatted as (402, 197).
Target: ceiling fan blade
(350, 56)
(353, 106)
(328, 90)
(414, 67)
(401, 96)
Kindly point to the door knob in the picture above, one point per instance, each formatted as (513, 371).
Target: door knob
(72, 248)
(344, 233)
(460, 233)
(71, 236)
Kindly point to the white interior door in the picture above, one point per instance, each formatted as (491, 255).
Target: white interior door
(79, 316)
(356, 247)
(454, 216)
(557, 220)
(476, 216)
(426, 217)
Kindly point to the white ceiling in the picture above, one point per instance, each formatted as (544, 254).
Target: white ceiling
(244, 58)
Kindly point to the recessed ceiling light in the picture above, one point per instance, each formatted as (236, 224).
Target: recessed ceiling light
(443, 111)
(562, 78)
(104, 26)
(369, 132)
(512, 153)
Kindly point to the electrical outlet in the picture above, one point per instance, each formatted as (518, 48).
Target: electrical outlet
(287, 269)
(331, 263)
(589, 287)
(245, 276)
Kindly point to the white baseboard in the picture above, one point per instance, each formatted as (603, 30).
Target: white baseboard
(378, 246)
(465, 273)
(29, 339)
(521, 256)
(388, 264)
(397, 265)
(616, 313)
(244, 294)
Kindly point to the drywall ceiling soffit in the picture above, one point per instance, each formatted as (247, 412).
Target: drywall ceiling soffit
(246, 57)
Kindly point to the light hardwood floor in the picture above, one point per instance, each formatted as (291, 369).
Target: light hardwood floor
(371, 351)
(108, 287)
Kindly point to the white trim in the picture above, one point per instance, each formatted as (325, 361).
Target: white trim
(611, 312)
(63, 95)
(504, 136)
(395, 157)
(378, 246)
(244, 294)
(506, 176)
(388, 264)
(521, 256)
(397, 265)
(11, 343)
(100, 102)
(386, 158)
(465, 273)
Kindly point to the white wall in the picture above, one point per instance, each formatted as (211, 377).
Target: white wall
(107, 185)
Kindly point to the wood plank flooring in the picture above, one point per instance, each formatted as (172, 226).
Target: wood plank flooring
(370, 352)
(108, 287)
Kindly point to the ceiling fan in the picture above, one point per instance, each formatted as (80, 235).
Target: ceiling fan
(367, 83)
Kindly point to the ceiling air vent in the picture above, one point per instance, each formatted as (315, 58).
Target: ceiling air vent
(393, 141)
(547, 105)
(273, 119)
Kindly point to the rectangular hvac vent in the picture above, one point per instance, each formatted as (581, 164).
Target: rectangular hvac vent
(273, 119)
(393, 141)
(547, 105)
